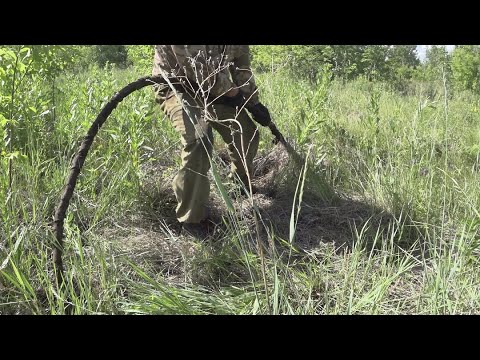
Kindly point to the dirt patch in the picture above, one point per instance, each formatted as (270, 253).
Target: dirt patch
(150, 235)
(163, 252)
(319, 220)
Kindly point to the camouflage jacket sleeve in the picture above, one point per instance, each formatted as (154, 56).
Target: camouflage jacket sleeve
(242, 74)
(214, 69)
(192, 64)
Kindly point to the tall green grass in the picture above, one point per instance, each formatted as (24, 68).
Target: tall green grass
(415, 157)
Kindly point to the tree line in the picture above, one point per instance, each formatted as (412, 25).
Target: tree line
(395, 64)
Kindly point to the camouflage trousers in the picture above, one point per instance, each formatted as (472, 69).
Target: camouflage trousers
(238, 131)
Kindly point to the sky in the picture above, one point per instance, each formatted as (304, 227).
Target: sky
(422, 49)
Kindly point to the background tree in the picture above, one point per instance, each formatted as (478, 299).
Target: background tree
(437, 63)
(465, 64)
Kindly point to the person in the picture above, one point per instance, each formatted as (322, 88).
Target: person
(205, 87)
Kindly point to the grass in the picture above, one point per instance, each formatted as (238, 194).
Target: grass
(401, 236)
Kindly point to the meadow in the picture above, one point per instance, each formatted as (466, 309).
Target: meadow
(382, 218)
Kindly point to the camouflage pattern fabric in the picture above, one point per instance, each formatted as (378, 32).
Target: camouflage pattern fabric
(210, 68)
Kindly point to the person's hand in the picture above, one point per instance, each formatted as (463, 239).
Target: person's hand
(232, 92)
(233, 98)
(260, 114)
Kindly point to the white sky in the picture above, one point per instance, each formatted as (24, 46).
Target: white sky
(422, 50)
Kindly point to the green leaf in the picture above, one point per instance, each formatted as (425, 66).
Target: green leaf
(21, 67)
(220, 186)
(18, 276)
(3, 120)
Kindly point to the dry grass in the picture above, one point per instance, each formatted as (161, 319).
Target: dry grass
(154, 234)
